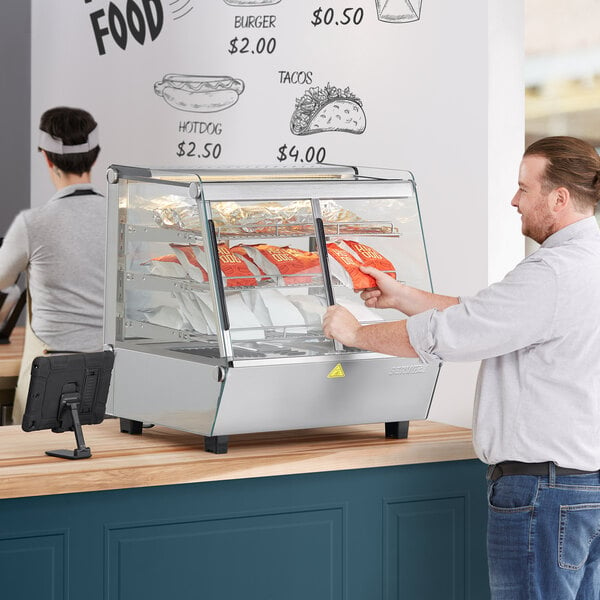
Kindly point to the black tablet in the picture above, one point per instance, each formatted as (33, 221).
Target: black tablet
(66, 391)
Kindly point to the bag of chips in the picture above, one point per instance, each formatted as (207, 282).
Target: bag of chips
(371, 258)
(235, 270)
(350, 263)
(165, 266)
(284, 264)
(187, 258)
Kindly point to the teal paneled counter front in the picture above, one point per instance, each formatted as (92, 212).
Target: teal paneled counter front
(322, 514)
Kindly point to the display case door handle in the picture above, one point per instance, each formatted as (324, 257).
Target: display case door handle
(214, 255)
(322, 249)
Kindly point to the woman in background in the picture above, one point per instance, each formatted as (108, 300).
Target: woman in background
(60, 245)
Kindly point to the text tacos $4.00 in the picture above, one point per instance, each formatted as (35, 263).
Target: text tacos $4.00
(328, 109)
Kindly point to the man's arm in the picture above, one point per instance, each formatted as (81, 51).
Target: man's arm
(387, 338)
(390, 337)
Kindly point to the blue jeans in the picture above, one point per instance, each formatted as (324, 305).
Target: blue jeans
(544, 537)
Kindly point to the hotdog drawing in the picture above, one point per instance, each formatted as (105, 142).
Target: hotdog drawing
(199, 93)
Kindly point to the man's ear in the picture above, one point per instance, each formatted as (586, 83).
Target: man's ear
(562, 199)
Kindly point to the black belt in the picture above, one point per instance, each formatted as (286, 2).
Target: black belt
(511, 467)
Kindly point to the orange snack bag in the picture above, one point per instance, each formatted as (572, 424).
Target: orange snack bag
(166, 258)
(195, 270)
(241, 251)
(277, 260)
(371, 258)
(166, 266)
(360, 280)
(233, 266)
(310, 260)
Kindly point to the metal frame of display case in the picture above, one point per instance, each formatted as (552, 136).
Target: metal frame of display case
(291, 389)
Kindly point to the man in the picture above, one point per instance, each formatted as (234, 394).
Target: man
(537, 407)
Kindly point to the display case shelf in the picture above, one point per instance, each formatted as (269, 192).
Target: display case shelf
(161, 283)
(142, 233)
(147, 281)
(284, 340)
(172, 235)
(144, 330)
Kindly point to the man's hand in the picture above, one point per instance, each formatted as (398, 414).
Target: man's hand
(341, 325)
(387, 292)
(390, 293)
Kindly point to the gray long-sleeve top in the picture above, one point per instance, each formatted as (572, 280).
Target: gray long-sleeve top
(537, 333)
(61, 245)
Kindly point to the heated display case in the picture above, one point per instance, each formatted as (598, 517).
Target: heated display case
(217, 281)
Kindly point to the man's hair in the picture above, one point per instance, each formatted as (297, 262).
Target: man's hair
(572, 164)
(72, 126)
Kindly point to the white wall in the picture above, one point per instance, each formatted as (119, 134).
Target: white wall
(443, 98)
(491, 232)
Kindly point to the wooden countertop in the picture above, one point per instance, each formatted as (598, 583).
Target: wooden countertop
(162, 456)
(10, 354)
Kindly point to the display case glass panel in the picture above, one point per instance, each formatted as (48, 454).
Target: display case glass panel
(222, 267)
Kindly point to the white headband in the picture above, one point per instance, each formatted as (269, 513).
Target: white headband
(55, 145)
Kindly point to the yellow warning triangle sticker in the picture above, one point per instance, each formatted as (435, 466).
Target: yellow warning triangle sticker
(337, 371)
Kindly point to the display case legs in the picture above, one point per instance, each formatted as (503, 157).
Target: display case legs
(397, 430)
(131, 426)
(217, 444)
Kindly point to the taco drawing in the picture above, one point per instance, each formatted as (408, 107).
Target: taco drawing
(328, 109)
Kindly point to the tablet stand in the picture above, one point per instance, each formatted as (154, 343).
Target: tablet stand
(70, 401)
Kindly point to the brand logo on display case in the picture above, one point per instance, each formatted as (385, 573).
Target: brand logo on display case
(407, 370)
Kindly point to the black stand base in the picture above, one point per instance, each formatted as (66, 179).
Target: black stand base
(70, 401)
(132, 427)
(217, 444)
(72, 454)
(397, 430)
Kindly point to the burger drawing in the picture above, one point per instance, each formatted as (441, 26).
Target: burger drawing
(199, 93)
(328, 109)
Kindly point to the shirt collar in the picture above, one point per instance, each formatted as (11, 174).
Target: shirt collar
(72, 188)
(575, 230)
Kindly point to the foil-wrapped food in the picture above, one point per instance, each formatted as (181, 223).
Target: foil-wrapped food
(271, 218)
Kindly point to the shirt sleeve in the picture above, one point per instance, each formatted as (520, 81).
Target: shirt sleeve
(506, 316)
(14, 252)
